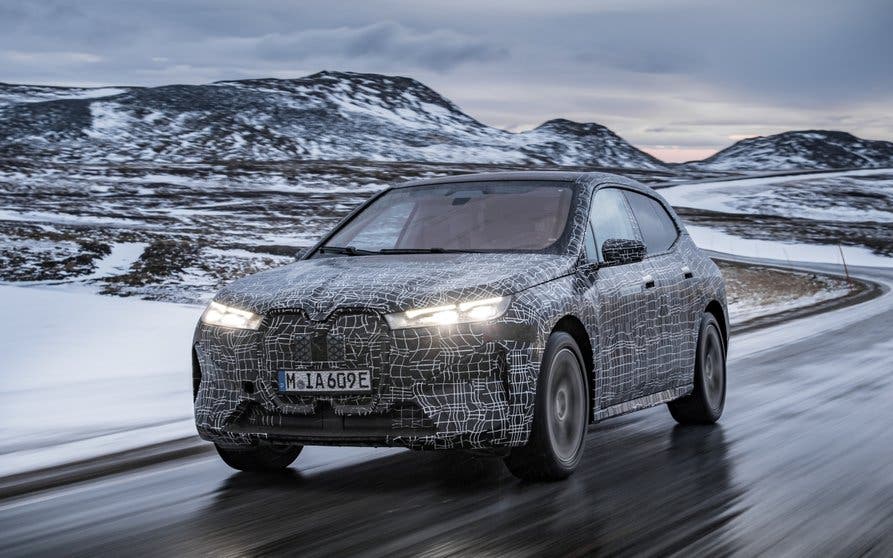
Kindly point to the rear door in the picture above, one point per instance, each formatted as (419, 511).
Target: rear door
(626, 307)
(674, 290)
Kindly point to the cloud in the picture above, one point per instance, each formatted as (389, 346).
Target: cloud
(388, 41)
(51, 57)
(686, 74)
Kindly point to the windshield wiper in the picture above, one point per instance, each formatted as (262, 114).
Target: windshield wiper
(346, 250)
(354, 251)
(434, 250)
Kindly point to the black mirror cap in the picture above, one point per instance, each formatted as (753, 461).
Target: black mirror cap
(619, 251)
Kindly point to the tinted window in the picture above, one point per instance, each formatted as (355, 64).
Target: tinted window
(611, 217)
(658, 230)
(481, 216)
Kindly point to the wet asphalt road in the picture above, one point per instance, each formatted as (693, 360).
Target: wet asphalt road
(801, 463)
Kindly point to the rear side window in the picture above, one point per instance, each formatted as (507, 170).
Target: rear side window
(658, 230)
(611, 218)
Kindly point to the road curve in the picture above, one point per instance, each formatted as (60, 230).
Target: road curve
(801, 463)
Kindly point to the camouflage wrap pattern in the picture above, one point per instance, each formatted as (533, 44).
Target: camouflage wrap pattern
(467, 385)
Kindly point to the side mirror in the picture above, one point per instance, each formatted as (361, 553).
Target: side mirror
(619, 251)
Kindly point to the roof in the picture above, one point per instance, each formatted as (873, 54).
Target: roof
(554, 176)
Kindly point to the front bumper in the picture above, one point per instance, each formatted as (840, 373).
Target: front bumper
(462, 386)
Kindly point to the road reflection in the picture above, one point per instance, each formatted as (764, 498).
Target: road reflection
(640, 488)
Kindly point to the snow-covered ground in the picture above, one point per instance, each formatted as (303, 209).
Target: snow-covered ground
(84, 375)
(16, 94)
(847, 196)
(831, 217)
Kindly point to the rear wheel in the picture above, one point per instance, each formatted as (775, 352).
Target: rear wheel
(262, 457)
(704, 405)
(560, 416)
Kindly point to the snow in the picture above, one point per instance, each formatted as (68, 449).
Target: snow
(821, 149)
(712, 239)
(86, 375)
(59, 218)
(813, 196)
(83, 375)
(122, 256)
(106, 117)
(38, 94)
(786, 333)
(335, 117)
(96, 93)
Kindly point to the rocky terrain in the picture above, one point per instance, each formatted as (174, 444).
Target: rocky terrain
(178, 232)
(325, 116)
(169, 192)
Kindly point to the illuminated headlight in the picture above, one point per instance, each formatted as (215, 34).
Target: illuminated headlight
(217, 314)
(476, 311)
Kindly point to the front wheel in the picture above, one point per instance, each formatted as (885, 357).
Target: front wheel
(560, 416)
(262, 457)
(704, 405)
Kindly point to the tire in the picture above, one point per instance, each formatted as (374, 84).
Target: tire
(560, 417)
(704, 405)
(260, 458)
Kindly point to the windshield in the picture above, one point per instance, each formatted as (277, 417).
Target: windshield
(505, 216)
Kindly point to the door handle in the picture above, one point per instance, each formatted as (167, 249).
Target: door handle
(648, 280)
(686, 272)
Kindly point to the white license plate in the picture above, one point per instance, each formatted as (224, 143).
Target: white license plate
(326, 381)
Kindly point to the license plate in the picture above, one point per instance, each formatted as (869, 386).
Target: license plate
(327, 381)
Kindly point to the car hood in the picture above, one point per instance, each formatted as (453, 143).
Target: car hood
(390, 283)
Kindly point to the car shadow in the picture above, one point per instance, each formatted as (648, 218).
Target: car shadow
(455, 470)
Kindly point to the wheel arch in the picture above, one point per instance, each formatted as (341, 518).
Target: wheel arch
(715, 308)
(196, 374)
(572, 325)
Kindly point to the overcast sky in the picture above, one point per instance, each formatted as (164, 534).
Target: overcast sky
(679, 79)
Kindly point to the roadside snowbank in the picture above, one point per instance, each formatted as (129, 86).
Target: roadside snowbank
(719, 241)
(84, 375)
(754, 291)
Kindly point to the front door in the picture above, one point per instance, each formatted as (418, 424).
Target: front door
(676, 289)
(627, 310)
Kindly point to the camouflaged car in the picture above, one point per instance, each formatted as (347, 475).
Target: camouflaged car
(502, 312)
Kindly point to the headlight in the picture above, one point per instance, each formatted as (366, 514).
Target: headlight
(217, 314)
(476, 311)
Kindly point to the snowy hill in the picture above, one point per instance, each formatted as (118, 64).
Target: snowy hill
(809, 149)
(328, 116)
(565, 142)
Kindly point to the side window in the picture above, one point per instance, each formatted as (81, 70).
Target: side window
(658, 230)
(611, 218)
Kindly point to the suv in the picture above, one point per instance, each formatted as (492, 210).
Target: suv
(502, 312)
